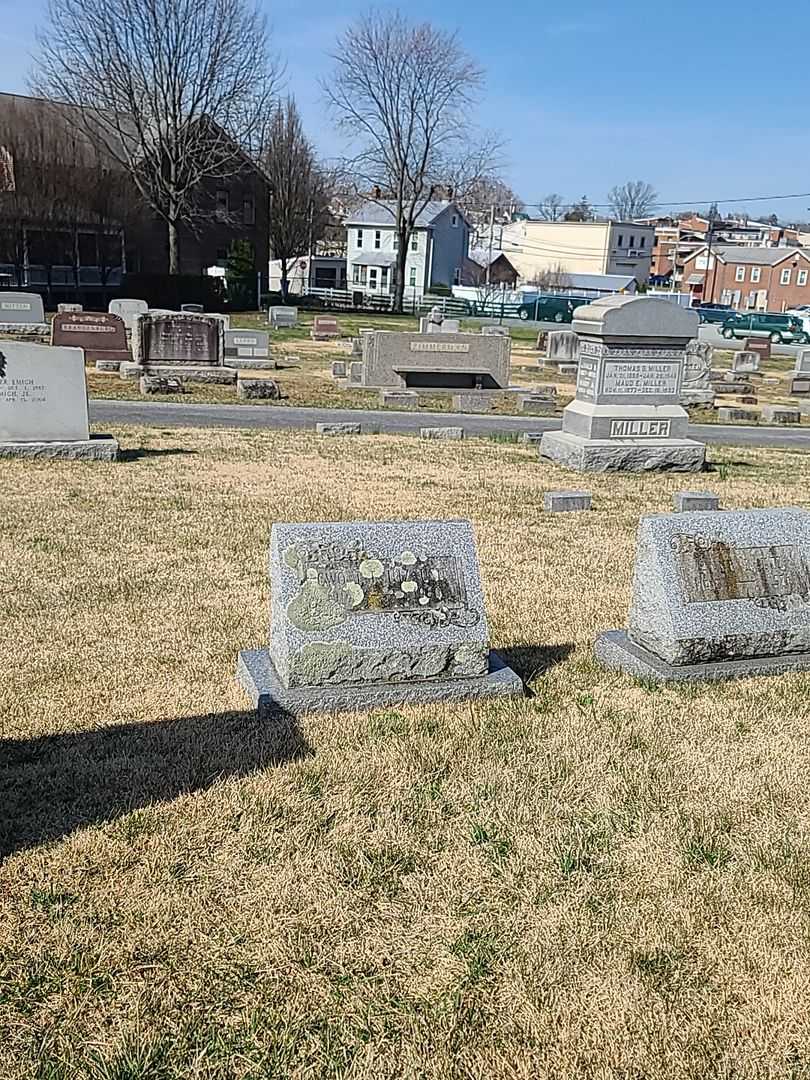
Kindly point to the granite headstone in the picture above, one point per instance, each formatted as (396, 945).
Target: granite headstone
(102, 336)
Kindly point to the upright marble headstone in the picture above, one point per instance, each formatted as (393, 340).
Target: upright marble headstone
(696, 387)
(248, 348)
(128, 310)
(280, 316)
(183, 345)
(66, 309)
(562, 346)
(22, 313)
(626, 413)
(43, 404)
(745, 362)
(800, 380)
(102, 336)
(365, 614)
(716, 595)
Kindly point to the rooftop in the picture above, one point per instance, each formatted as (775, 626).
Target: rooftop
(383, 212)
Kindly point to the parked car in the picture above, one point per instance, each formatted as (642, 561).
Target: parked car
(764, 324)
(802, 313)
(547, 308)
(714, 313)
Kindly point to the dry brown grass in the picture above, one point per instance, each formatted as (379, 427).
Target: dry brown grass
(604, 880)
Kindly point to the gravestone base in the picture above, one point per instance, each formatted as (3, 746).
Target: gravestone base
(252, 364)
(696, 399)
(609, 455)
(258, 677)
(617, 652)
(26, 331)
(211, 373)
(96, 448)
(108, 367)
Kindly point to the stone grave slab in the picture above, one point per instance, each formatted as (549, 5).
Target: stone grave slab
(696, 387)
(562, 346)
(128, 310)
(564, 502)
(626, 413)
(280, 317)
(780, 414)
(180, 345)
(684, 501)
(436, 361)
(800, 386)
(193, 307)
(43, 404)
(102, 336)
(257, 389)
(802, 363)
(745, 362)
(66, 309)
(22, 313)
(248, 348)
(761, 346)
(451, 433)
(365, 614)
(324, 327)
(717, 595)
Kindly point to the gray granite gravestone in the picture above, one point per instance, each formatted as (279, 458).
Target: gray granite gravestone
(68, 309)
(179, 345)
(324, 327)
(128, 310)
(102, 336)
(22, 313)
(365, 614)
(43, 404)
(627, 413)
(745, 362)
(562, 346)
(436, 361)
(248, 348)
(280, 317)
(717, 595)
(696, 387)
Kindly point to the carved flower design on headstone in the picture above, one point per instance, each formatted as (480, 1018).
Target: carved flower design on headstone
(2, 365)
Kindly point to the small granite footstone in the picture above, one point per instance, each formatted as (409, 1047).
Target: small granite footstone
(365, 614)
(338, 429)
(399, 399)
(257, 389)
(780, 414)
(441, 432)
(683, 501)
(726, 413)
(96, 448)
(338, 369)
(158, 384)
(559, 502)
(718, 588)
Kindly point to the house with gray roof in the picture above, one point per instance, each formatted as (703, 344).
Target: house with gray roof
(436, 253)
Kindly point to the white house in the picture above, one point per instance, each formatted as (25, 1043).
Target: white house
(436, 253)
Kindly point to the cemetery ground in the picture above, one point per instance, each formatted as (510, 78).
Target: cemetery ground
(604, 879)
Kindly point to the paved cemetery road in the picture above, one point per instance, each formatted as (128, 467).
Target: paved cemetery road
(162, 414)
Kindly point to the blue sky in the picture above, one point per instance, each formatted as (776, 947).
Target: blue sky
(703, 100)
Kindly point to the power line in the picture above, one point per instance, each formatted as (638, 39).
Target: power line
(688, 202)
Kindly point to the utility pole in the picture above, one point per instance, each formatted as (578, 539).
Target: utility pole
(491, 231)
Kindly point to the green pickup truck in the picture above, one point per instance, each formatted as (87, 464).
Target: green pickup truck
(764, 324)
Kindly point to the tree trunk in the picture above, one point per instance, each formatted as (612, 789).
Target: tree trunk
(174, 248)
(285, 283)
(399, 284)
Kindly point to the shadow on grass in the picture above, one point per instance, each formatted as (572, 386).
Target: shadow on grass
(532, 660)
(55, 784)
(142, 452)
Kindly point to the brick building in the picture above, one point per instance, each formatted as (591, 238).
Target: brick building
(749, 278)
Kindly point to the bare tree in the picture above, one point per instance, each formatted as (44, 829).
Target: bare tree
(580, 211)
(299, 191)
(174, 91)
(632, 200)
(404, 92)
(551, 208)
(551, 277)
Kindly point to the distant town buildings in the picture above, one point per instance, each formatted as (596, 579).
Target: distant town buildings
(748, 278)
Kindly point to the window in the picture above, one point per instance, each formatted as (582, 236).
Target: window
(457, 276)
(248, 210)
(378, 239)
(801, 277)
(454, 221)
(632, 241)
(642, 241)
(223, 202)
(756, 274)
(384, 277)
(359, 238)
(785, 276)
(414, 241)
(740, 274)
(621, 240)
(359, 275)
(412, 279)
(396, 242)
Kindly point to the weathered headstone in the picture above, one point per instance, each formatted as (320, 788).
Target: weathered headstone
(800, 381)
(474, 401)
(562, 346)
(745, 362)
(180, 345)
(43, 405)
(68, 309)
(447, 432)
(436, 361)
(696, 388)
(128, 310)
(802, 363)
(562, 502)
(760, 346)
(446, 326)
(539, 404)
(717, 595)
(503, 331)
(324, 327)
(280, 317)
(159, 384)
(338, 369)
(102, 336)
(727, 413)
(22, 313)
(399, 399)
(627, 413)
(339, 428)
(368, 614)
(199, 308)
(684, 501)
(780, 414)
(257, 389)
(248, 348)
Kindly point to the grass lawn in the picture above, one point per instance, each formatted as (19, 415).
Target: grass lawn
(603, 880)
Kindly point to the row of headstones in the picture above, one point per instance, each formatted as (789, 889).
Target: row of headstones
(369, 614)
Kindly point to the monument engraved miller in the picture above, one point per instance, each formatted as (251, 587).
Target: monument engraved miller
(627, 413)
(364, 614)
(716, 595)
